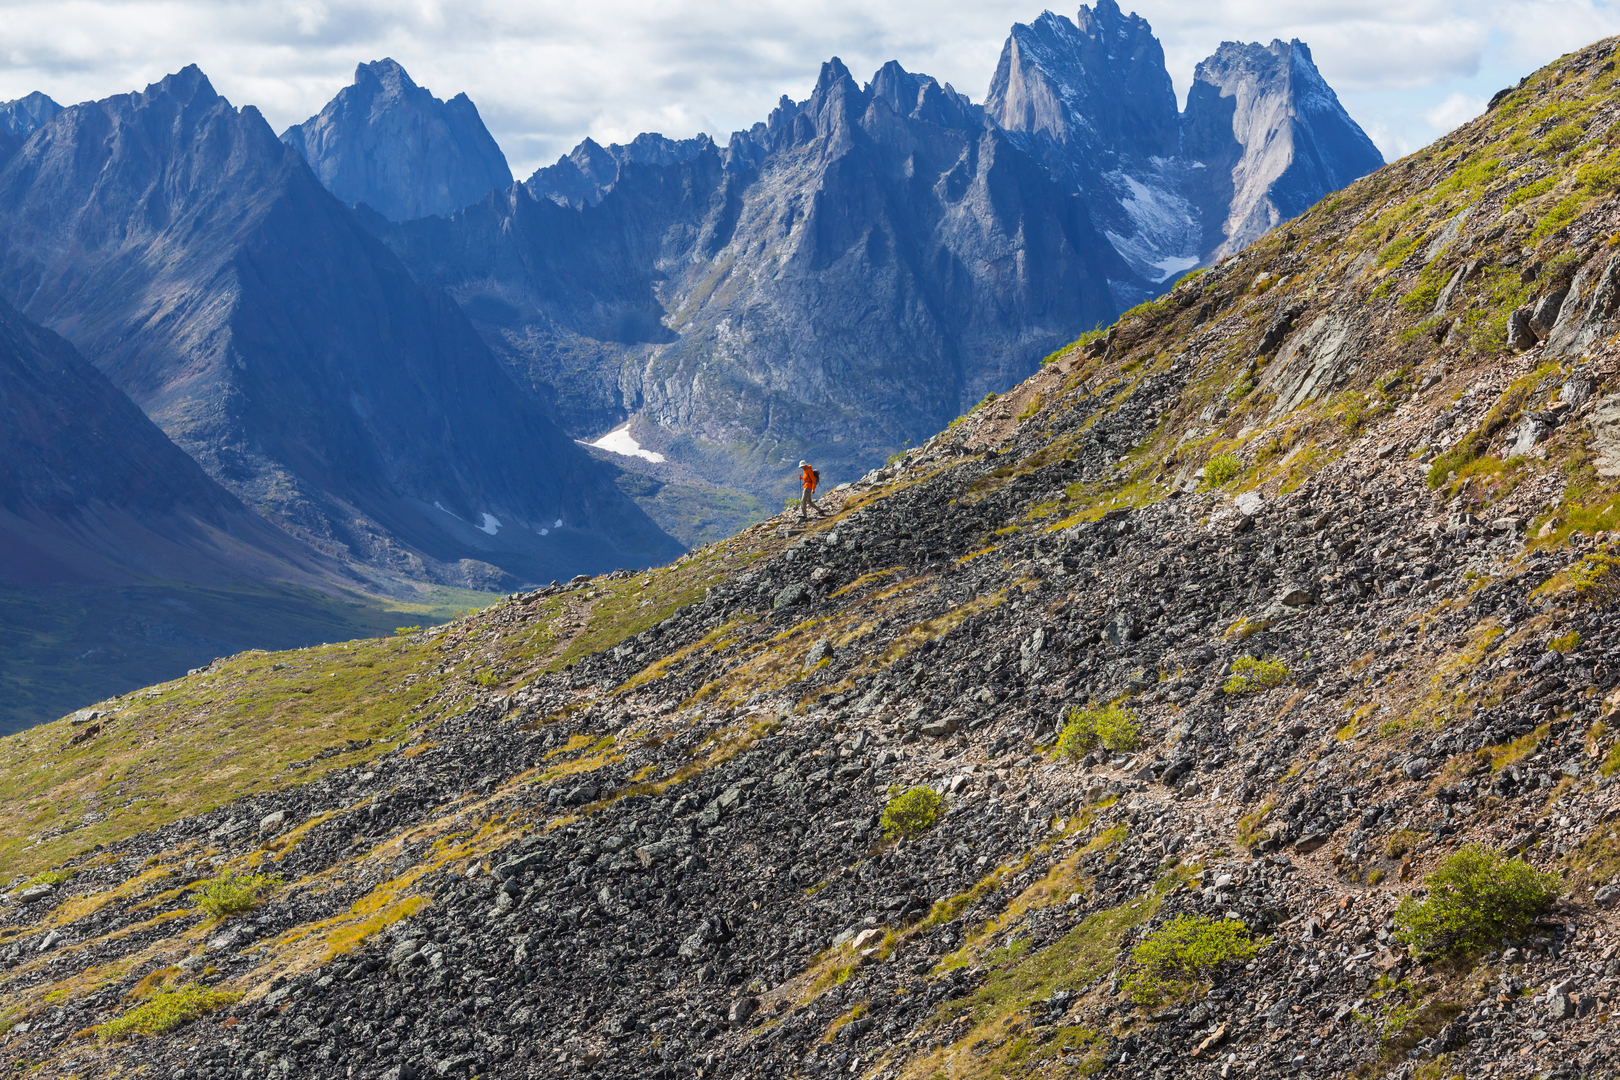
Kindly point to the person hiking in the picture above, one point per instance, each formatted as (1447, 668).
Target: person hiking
(810, 478)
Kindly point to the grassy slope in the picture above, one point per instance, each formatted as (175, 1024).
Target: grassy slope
(65, 647)
(185, 746)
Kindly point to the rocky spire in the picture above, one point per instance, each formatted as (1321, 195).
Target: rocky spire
(391, 144)
(1272, 136)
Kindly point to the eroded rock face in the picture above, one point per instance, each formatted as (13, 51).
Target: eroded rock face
(1272, 137)
(392, 145)
(1605, 424)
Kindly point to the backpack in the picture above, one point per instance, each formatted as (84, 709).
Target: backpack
(815, 477)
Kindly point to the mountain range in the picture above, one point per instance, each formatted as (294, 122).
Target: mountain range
(194, 258)
(852, 273)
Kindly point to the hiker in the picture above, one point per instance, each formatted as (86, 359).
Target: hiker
(811, 478)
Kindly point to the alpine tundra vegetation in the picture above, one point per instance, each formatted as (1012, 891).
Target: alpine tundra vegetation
(640, 825)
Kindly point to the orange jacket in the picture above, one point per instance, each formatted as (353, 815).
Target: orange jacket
(808, 475)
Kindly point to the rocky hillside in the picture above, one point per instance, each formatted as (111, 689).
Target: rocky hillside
(1319, 548)
(392, 145)
(196, 261)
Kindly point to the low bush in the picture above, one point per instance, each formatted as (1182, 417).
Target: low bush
(52, 878)
(1110, 726)
(1476, 898)
(1250, 676)
(912, 812)
(1172, 960)
(1222, 469)
(166, 1010)
(232, 894)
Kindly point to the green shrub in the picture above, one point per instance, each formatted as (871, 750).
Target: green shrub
(1561, 138)
(1183, 952)
(1476, 898)
(1563, 212)
(1530, 191)
(52, 878)
(912, 812)
(232, 894)
(1599, 177)
(1222, 469)
(166, 1010)
(1250, 676)
(401, 631)
(1396, 250)
(1111, 726)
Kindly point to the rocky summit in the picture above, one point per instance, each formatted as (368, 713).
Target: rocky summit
(392, 145)
(1236, 697)
(1262, 138)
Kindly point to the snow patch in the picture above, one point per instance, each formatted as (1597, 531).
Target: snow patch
(452, 514)
(491, 525)
(1167, 230)
(619, 441)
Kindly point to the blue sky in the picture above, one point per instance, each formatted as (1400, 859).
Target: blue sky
(546, 74)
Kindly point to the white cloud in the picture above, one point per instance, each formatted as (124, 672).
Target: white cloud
(1456, 110)
(545, 73)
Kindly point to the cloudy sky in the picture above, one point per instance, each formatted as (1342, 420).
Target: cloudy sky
(546, 73)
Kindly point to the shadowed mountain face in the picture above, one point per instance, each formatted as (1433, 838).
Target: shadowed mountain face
(1273, 139)
(1263, 137)
(392, 145)
(197, 262)
(845, 277)
(92, 492)
(27, 114)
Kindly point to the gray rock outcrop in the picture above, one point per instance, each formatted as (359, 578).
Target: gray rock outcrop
(392, 145)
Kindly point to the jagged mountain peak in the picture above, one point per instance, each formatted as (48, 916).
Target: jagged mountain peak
(388, 142)
(387, 73)
(25, 115)
(588, 171)
(188, 84)
(922, 97)
(1273, 137)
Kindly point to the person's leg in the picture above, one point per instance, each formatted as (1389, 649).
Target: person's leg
(804, 504)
